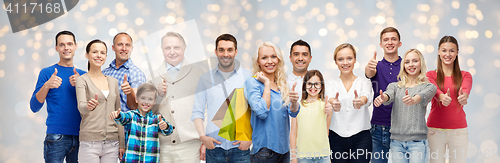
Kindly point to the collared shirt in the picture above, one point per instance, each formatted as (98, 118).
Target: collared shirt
(387, 73)
(271, 127)
(143, 142)
(212, 91)
(349, 121)
(135, 77)
(291, 78)
(173, 70)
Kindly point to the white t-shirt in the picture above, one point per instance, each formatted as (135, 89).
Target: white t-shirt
(291, 78)
(349, 121)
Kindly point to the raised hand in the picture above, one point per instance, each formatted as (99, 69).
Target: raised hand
(162, 87)
(54, 81)
(93, 103)
(407, 99)
(126, 86)
(372, 64)
(380, 99)
(462, 97)
(446, 99)
(357, 101)
(328, 106)
(162, 124)
(336, 103)
(294, 96)
(261, 77)
(114, 115)
(72, 78)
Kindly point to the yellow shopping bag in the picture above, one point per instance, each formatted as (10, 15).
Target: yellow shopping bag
(235, 124)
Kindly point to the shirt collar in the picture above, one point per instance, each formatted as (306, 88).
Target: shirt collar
(178, 67)
(235, 70)
(148, 114)
(126, 64)
(396, 63)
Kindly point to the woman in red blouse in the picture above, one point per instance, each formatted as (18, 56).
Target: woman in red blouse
(447, 123)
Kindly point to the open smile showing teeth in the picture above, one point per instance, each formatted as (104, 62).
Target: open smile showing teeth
(300, 63)
(98, 60)
(412, 69)
(270, 67)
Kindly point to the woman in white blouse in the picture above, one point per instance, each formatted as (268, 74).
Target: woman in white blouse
(349, 129)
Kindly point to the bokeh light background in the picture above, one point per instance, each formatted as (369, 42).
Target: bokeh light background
(324, 24)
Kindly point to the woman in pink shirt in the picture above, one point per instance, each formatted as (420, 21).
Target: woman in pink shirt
(447, 123)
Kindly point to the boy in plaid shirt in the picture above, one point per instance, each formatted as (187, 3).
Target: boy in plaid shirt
(143, 144)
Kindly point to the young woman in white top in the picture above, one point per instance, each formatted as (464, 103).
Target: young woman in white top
(350, 123)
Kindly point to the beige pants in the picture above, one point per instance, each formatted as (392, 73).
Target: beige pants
(185, 152)
(98, 151)
(453, 140)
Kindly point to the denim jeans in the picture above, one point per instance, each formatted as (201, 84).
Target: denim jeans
(381, 143)
(314, 160)
(56, 147)
(233, 155)
(351, 149)
(265, 155)
(410, 151)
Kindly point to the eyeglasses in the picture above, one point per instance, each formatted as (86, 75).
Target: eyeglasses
(316, 85)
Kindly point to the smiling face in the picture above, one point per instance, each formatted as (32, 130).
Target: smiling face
(448, 53)
(97, 55)
(313, 86)
(122, 47)
(390, 43)
(412, 64)
(173, 50)
(146, 100)
(267, 59)
(345, 60)
(300, 58)
(66, 47)
(225, 53)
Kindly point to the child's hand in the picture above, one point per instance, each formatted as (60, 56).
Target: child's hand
(336, 103)
(408, 100)
(93, 103)
(114, 115)
(357, 101)
(328, 106)
(163, 125)
(446, 99)
(162, 88)
(462, 97)
(379, 100)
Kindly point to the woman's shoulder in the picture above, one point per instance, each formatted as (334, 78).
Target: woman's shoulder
(465, 73)
(431, 72)
(112, 79)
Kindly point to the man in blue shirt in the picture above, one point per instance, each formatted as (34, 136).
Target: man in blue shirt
(56, 85)
(129, 76)
(212, 90)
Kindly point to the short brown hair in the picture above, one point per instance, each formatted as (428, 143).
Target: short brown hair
(145, 88)
(389, 29)
(226, 37)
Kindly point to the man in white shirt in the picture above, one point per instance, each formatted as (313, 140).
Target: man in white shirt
(300, 56)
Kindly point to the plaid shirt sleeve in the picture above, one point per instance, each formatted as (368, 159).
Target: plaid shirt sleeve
(125, 118)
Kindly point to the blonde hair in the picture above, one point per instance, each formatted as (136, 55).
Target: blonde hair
(279, 74)
(403, 78)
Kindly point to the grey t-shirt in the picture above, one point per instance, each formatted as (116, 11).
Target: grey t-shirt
(408, 122)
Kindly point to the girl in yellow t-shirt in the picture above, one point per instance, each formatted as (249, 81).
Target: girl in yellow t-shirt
(309, 132)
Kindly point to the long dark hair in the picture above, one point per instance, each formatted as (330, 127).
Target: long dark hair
(457, 74)
(308, 76)
(87, 49)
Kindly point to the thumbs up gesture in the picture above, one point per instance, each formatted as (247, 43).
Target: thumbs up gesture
(72, 78)
(372, 64)
(380, 99)
(462, 97)
(126, 86)
(294, 95)
(54, 81)
(328, 106)
(445, 98)
(357, 101)
(114, 115)
(408, 100)
(162, 87)
(335, 103)
(162, 124)
(93, 103)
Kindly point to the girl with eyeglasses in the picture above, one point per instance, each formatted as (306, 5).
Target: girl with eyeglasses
(309, 133)
(350, 123)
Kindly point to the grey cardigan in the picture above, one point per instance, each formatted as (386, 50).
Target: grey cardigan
(95, 125)
(408, 122)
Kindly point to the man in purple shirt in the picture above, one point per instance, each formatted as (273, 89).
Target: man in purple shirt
(381, 73)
